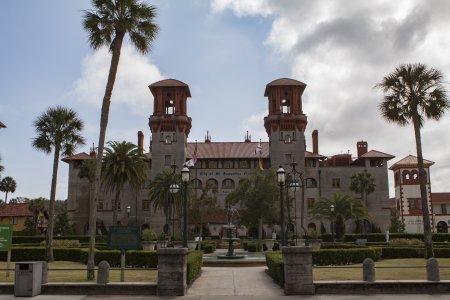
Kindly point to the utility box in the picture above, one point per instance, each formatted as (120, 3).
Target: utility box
(28, 279)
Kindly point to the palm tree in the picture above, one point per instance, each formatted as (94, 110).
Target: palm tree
(160, 194)
(362, 183)
(122, 164)
(58, 128)
(412, 93)
(107, 26)
(339, 209)
(2, 168)
(8, 185)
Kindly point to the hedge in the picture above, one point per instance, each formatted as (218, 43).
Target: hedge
(209, 246)
(329, 257)
(275, 265)
(412, 252)
(381, 237)
(38, 239)
(194, 265)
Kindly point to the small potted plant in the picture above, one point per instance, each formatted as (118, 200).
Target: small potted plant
(148, 239)
(314, 240)
(192, 242)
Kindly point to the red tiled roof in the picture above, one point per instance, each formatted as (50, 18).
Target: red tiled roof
(228, 150)
(15, 210)
(169, 83)
(440, 198)
(410, 162)
(309, 154)
(284, 82)
(377, 154)
(78, 156)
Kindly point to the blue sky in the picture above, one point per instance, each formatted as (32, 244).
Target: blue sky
(227, 51)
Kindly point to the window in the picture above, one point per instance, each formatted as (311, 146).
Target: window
(145, 205)
(243, 164)
(196, 183)
(228, 184)
(310, 203)
(415, 205)
(213, 184)
(118, 205)
(228, 164)
(170, 107)
(15, 220)
(311, 163)
(100, 205)
(167, 160)
(311, 183)
(168, 140)
(444, 209)
(287, 139)
(212, 164)
(285, 106)
(336, 183)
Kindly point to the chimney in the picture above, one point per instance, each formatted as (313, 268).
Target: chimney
(141, 142)
(207, 137)
(315, 141)
(93, 153)
(248, 138)
(361, 147)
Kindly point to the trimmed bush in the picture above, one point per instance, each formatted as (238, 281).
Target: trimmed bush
(402, 252)
(209, 246)
(380, 237)
(275, 265)
(194, 265)
(63, 244)
(338, 246)
(38, 239)
(331, 257)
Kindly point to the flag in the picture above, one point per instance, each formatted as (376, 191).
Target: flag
(191, 163)
(258, 149)
(260, 165)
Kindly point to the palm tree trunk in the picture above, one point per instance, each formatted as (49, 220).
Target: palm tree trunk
(51, 207)
(116, 201)
(101, 140)
(423, 191)
(92, 211)
(6, 197)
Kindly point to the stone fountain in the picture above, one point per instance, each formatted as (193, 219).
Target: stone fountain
(229, 228)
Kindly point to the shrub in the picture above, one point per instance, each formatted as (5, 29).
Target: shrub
(330, 257)
(63, 243)
(406, 242)
(254, 246)
(194, 265)
(209, 246)
(275, 265)
(141, 259)
(402, 252)
(148, 235)
(38, 239)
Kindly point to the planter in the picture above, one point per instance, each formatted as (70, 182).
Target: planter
(315, 243)
(149, 245)
(192, 245)
(269, 244)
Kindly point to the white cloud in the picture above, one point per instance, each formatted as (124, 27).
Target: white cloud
(255, 126)
(134, 74)
(341, 51)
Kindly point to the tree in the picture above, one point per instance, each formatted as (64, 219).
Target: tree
(362, 183)
(2, 168)
(198, 206)
(8, 185)
(258, 196)
(58, 128)
(62, 225)
(160, 195)
(345, 208)
(413, 92)
(36, 206)
(122, 164)
(397, 226)
(107, 26)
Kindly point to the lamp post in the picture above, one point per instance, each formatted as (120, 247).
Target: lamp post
(281, 176)
(294, 185)
(128, 213)
(332, 221)
(173, 189)
(185, 179)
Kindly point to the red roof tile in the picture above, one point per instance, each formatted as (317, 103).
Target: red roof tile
(377, 154)
(15, 210)
(440, 198)
(284, 82)
(410, 162)
(78, 156)
(228, 150)
(169, 83)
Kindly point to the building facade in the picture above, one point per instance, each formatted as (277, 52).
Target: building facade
(223, 164)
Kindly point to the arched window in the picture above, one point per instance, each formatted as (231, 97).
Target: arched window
(196, 183)
(287, 139)
(405, 176)
(212, 183)
(170, 107)
(285, 106)
(311, 183)
(414, 176)
(228, 184)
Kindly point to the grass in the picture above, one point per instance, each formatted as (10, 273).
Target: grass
(334, 273)
(58, 274)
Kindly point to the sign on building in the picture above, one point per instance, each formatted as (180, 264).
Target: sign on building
(124, 238)
(5, 237)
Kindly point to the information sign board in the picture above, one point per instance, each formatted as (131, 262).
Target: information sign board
(5, 237)
(124, 237)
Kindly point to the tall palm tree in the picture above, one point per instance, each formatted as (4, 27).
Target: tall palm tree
(107, 25)
(2, 168)
(363, 183)
(160, 194)
(122, 164)
(8, 185)
(58, 128)
(345, 208)
(413, 92)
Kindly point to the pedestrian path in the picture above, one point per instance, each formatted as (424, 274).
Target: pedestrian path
(235, 282)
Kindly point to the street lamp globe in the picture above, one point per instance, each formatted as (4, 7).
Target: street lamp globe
(128, 209)
(281, 175)
(332, 208)
(185, 174)
(174, 188)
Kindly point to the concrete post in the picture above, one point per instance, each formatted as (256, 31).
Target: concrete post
(44, 272)
(172, 271)
(298, 276)
(103, 272)
(433, 270)
(368, 270)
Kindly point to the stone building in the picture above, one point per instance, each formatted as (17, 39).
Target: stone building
(223, 164)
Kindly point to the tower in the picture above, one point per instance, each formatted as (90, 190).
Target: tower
(285, 125)
(169, 124)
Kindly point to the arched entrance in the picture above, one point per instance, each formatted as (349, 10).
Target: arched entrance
(442, 227)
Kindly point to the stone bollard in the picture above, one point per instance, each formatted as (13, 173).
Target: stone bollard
(298, 276)
(368, 270)
(44, 272)
(103, 272)
(433, 270)
(172, 271)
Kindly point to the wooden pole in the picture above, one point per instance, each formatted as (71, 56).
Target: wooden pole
(8, 263)
(122, 266)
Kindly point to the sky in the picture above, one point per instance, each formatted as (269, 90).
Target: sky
(226, 51)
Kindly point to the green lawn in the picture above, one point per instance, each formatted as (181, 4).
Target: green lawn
(385, 274)
(58, 274)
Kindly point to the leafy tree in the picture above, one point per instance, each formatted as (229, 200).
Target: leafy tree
(362, 183)
(160, 195)
(36, 206)
(345, 208)
(62, 225)
(122, 164)
(413, 92)
(58, 129)
(19, 200)
(8, 185)
(396, 226)
(198, 206)
(258, 196)
(107, 25)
